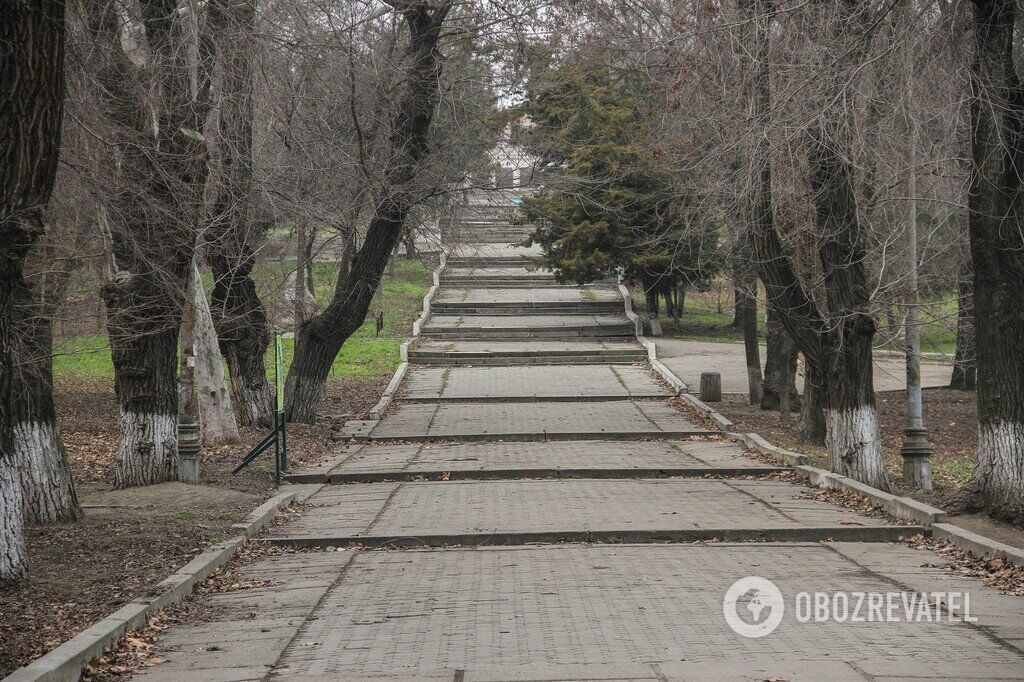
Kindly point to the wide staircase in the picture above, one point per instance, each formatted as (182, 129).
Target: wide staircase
(537, 504)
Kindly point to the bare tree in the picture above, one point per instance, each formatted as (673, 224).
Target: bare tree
(231, 237)
(156, 122)
(996, 227)
(31, 104)
(322, 336)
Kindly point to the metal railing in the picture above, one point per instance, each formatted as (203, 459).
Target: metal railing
(278, 437)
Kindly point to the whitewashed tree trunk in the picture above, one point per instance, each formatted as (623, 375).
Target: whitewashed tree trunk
(48, 491)
(13, 560)
(39, 455)
(216, 412)
(148, 452)
(855, 445)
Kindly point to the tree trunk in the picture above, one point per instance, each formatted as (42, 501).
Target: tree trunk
(31, 106)
(965, 370)
(216, 412)
(323, 336)
(779, 366)
(996, 227)
(746, 312)
(47, 488)
(300, 277)
(238, 313)
(154, 210)
(812, 414)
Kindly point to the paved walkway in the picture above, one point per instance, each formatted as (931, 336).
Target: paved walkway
(535, 506)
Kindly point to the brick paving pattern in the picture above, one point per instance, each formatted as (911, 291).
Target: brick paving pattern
(521, 382)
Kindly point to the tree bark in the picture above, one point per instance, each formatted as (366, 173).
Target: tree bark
(216, 411)
(31, 108)
(779, 366)
(995, 223)
(812, 413)
(965, 369)
(47, 488)
(323, 336)
(239, 316)
(154, 208)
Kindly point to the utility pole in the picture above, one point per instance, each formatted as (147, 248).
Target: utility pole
(916, 451)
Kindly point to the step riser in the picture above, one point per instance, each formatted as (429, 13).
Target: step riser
(514, 361)
(835, 533)
(529, 282)
(531, 474)
(540, 309)
(468, 334)
(529, 437)
(575, 398)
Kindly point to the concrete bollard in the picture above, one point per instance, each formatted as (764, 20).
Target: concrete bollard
(710, 387)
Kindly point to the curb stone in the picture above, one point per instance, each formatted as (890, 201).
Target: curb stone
(756, 442)
(717, 417)
(978, 545)
(385, 399)
(65, 662)
(900, 507)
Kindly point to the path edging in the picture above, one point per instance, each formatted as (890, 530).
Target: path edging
(900, 507)
(65, 662)
(385, 399)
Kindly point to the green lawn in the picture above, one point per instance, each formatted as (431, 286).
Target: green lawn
(363, 355)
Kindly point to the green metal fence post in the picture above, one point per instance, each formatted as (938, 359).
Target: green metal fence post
(279, 417)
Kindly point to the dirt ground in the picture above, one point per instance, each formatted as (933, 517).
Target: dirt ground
(131, 539)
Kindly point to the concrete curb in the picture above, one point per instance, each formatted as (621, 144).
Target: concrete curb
(756, 442)
(900, 507)
(677, 384)
(65, 663)
(978, 545)
(627, 299)
(385, 399)
(717, 417)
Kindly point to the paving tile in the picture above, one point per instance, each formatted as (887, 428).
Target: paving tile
(539, 420)
(421, 509)
(522, 610)
(517, 383)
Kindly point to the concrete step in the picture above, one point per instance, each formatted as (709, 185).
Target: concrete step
(543, 308)
(371, 463)
(564, 332)
(590, 351)
(527, 327)
(597, 510)
(452, 358)
(631, 536)
(538, 421)
(492, 281)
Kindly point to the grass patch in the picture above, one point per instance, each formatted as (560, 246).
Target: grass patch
(364, 355)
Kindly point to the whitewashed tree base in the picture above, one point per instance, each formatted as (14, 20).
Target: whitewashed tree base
(854, 444)
(41, 462)
(149, 449)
